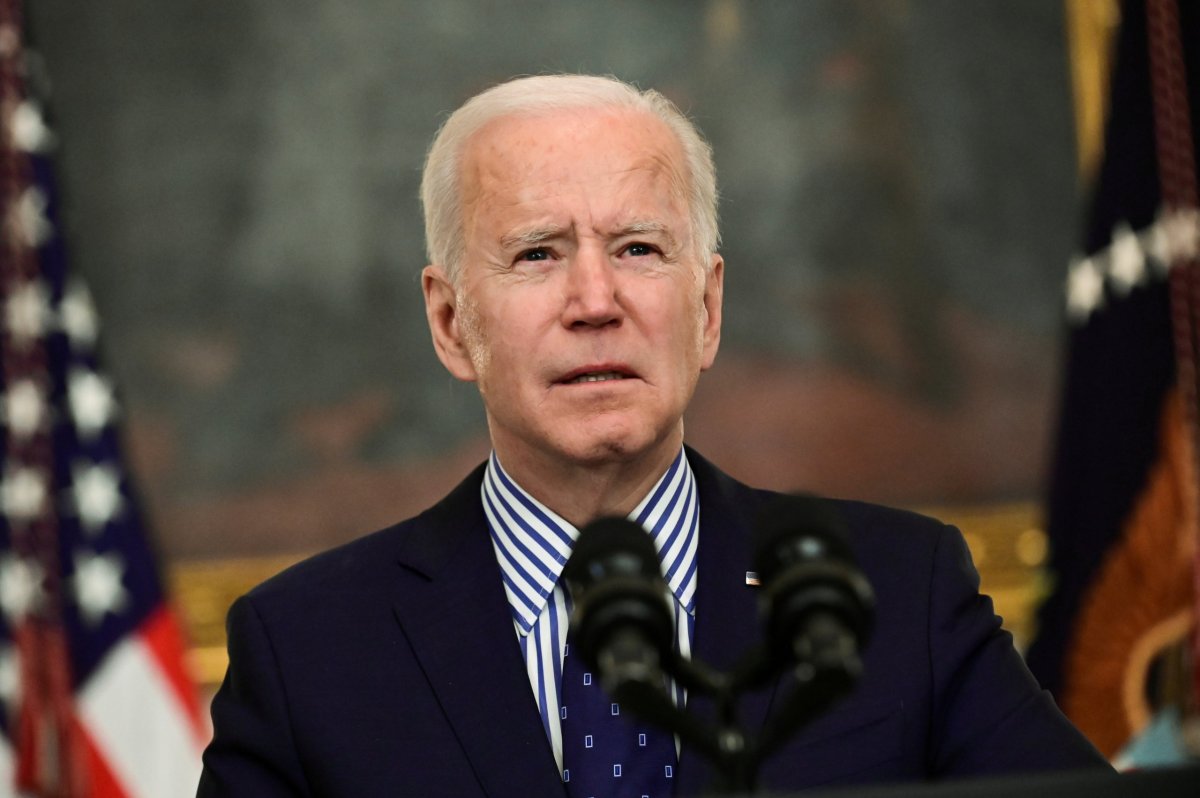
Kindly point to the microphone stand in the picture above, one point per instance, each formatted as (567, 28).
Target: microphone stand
(826, 668)
(816, 604)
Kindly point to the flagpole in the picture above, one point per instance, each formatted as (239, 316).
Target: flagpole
(49, 753)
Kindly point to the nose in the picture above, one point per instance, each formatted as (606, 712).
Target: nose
(592, 298)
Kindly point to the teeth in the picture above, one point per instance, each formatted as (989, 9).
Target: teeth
(601, 376)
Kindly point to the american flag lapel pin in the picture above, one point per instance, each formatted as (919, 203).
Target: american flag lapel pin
(752, 579)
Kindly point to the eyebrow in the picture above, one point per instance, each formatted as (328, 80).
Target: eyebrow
(534, 236)
(646, 227)
(531, 237)
(638, 228)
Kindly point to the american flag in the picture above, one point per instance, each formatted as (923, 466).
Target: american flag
(94, 697)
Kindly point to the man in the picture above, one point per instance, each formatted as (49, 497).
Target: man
(571, 226)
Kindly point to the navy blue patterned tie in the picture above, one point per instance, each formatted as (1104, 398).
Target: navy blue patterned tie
(608, 753)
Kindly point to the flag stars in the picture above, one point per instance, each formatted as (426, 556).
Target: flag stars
(1130, 259)
(1127, 266)
(21, 588)
(23, 493)
(31, 220)
(77, 315)
(24, 408)
(1085, 289)
(27, 311)
(92, 402)
(98, 499)
(97, 584)
(1159, 246)
(1174, 237)
(27, 128)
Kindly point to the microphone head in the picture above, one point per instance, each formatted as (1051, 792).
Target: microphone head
(807, 570)
(797, 528)
(617, 587)
(608, 548)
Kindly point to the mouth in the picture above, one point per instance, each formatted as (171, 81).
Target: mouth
(602, 376)
(588, 375)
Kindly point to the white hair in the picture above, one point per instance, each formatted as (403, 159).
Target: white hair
(441, 196)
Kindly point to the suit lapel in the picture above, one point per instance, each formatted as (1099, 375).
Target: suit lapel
(453, 610)
(727, 619)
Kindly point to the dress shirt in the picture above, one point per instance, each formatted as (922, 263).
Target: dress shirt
(532, 544)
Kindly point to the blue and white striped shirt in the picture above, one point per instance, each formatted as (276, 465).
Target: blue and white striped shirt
(533, 543)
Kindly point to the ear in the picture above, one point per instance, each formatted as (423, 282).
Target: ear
(441, 311)
(714, 286)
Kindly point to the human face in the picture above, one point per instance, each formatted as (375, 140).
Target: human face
(582, 309)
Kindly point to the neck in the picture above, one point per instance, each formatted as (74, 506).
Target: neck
(581, 492)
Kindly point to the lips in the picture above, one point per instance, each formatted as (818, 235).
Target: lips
(603, 376)
(589, 374)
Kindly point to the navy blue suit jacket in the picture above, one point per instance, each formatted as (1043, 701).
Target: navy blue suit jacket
(389, 667)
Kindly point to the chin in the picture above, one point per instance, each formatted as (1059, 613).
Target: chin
(612, 446)
(599, 452)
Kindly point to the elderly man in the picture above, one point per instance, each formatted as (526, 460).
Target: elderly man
(571, 224)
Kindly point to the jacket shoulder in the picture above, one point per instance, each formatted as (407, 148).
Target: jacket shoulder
(346, 563)
(423, 543)
(879, 524)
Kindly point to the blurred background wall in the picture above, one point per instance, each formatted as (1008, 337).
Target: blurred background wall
(899, 202)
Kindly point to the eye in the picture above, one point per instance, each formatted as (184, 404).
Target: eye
(640, 250)
(535, 254)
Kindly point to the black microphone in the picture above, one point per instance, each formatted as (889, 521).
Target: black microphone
(818, 606)
(621, 623)
(623, 629)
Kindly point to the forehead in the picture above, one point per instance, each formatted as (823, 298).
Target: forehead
(588, 155)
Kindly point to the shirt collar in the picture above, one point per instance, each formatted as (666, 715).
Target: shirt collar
(532, 542)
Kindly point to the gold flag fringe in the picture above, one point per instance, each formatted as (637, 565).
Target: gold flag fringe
(1141, 603)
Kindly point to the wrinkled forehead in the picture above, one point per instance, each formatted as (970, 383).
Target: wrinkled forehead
(566, 144)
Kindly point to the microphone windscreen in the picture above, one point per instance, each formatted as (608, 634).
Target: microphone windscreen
(797, 528)
(809, 577)
(609, 547)
(617, 589)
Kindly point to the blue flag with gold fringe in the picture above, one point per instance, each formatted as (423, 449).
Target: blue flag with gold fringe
(1114, 638)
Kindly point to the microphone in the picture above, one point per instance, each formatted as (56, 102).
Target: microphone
(818, 606)
(623, 628)
(621, 623)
